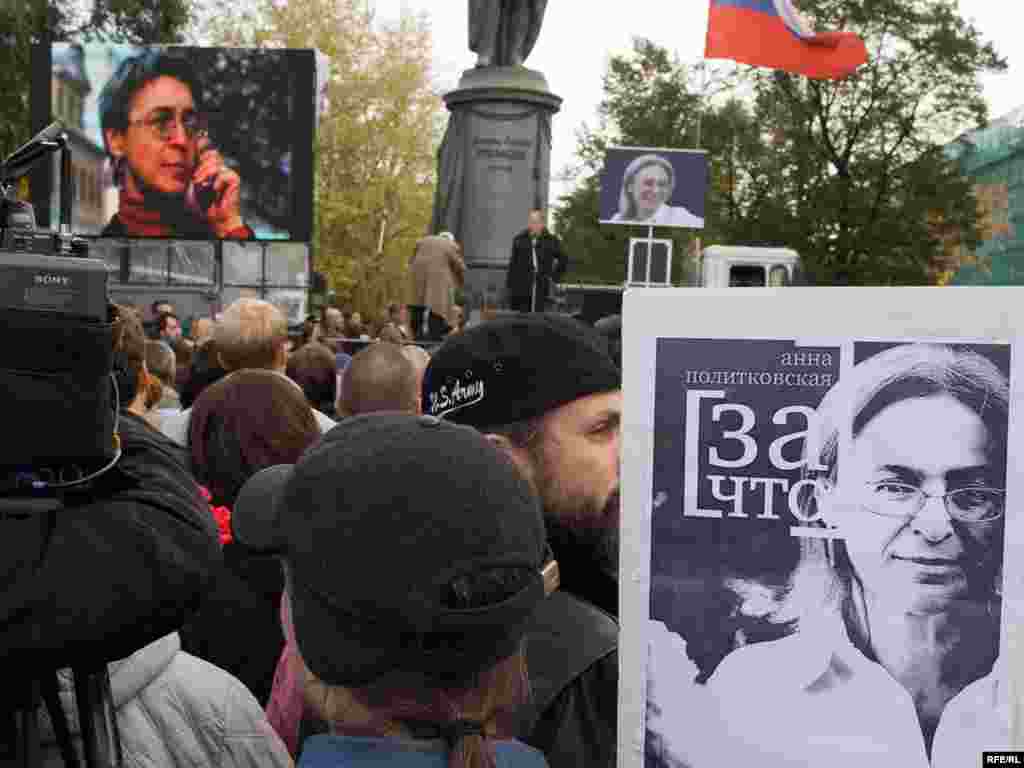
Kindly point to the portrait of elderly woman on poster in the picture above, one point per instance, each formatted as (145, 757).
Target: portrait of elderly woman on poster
(895, 657)
(172, 180)
(647, 187)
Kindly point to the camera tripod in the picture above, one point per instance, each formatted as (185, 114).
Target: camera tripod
(27, 689)
(20, 712)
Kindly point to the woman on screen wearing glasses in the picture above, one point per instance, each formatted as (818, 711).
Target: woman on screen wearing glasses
(173, 182)
(896, 658)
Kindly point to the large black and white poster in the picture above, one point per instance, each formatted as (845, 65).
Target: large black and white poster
(823, 576)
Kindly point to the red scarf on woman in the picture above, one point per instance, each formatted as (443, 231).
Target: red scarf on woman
(141, 220)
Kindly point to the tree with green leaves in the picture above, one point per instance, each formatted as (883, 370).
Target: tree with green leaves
(650, 101)
(376, 146)
(852, 173)
(878, 195)
(29, 22)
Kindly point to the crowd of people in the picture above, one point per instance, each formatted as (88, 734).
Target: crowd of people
(404, 555)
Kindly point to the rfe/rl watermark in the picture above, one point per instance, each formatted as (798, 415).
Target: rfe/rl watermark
(1002, 758)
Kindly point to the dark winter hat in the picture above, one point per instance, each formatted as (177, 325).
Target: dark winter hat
(383, 524)
(516, 368)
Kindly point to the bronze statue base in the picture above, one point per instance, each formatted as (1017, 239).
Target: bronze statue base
(493, 167)
(518, 78)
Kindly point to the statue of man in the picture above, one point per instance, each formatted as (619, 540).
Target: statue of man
(503, 32)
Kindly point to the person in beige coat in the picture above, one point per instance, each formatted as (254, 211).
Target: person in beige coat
(435, 271)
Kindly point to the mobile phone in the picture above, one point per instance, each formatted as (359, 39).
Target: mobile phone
(205, 193)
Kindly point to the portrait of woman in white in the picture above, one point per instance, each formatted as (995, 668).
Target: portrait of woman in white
(647, 188)
(895, 657)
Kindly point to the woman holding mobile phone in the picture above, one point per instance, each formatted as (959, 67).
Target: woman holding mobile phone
(173, 180)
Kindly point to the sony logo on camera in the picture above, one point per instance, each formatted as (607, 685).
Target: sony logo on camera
(65, 285)
(53, 280)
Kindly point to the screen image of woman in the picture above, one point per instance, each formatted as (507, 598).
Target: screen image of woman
(647, 188)
(895, 658)
(173, 182)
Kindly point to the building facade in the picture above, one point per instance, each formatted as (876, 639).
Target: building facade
(69, 89)
(993, 158)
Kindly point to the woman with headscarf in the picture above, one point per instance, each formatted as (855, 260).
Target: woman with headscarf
(647, 188)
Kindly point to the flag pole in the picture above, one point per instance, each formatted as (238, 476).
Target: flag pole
(700, 126)
(650, 255)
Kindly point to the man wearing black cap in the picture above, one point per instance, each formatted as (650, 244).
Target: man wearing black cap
(409, 613)
(544, 388)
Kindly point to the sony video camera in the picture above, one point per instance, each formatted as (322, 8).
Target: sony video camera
(56, 339)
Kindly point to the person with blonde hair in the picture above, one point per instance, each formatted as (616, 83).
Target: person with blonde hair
(419, 660)
(251, 333)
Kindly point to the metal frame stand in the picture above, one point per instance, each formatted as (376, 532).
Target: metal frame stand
(649, 242)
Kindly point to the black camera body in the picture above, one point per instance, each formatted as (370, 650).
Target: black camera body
(56, 329)
(33, 279)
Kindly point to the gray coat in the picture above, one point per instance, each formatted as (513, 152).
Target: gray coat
(177, 711)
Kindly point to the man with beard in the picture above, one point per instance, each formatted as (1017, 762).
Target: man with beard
(173, 182)
(544, 389)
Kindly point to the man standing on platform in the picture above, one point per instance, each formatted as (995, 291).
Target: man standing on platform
(537, 260)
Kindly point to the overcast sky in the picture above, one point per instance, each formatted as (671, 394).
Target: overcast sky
(579, 36)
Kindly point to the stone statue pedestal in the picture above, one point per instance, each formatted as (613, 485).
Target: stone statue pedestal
(493, 167)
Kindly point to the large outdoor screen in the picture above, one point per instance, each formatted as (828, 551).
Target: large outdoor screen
(176, 142)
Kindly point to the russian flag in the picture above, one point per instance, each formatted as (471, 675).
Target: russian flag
(772, 33)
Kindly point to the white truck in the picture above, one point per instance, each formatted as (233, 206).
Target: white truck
(722, 266)
(737, 266)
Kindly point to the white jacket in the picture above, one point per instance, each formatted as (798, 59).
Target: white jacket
(666, 216)
(812, 699)
(177, 711)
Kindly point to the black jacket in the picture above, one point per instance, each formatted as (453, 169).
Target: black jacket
(572, 653)
(572, 660)
(588, 562)
(120, 566)
(551, 262)
(238, 627)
